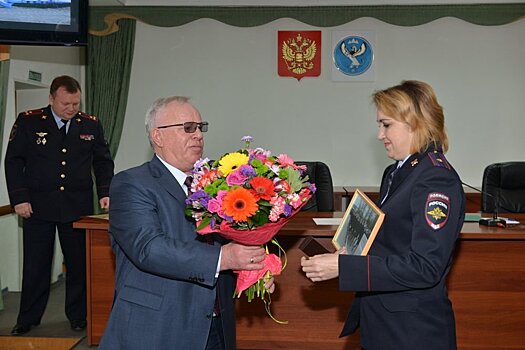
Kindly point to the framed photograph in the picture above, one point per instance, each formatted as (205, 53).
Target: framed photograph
(359, 225)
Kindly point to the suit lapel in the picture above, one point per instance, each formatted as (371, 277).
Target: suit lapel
(166, 179)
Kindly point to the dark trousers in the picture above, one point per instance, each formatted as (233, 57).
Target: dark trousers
(39, 241)
(216, 336)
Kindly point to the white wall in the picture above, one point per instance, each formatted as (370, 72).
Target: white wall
(51, 62)
(231, 74)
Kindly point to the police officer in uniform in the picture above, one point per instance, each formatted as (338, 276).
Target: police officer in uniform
(402, 300)
(49, 161)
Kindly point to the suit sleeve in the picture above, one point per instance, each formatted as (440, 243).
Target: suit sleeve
(15, 162)
(103, 165)
(135, 225)
(431, 247)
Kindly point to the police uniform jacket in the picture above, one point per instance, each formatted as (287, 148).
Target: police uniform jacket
(52, 174)
(402, 300)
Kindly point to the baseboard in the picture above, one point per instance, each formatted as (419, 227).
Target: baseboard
(31, 343)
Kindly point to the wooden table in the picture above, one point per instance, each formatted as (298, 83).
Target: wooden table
(486, 286)
(100, 275)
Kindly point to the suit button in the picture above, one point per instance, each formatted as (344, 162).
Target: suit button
(62, 188)
(64, 150)
(63, 162)
(62, 175)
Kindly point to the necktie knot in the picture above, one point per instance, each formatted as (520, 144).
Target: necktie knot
(188, 182)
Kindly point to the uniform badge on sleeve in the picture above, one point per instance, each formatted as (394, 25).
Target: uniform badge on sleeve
(436, 210)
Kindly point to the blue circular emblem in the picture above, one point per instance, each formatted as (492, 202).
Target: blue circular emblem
(353, 55)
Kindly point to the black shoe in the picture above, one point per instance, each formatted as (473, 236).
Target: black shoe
(20, 329)
(78, 325)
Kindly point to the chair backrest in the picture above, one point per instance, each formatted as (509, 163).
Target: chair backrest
(319, 174)
(503, 188)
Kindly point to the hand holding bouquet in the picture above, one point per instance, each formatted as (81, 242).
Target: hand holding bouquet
(247, 196)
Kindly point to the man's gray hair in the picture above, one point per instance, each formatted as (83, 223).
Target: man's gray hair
(156, 107)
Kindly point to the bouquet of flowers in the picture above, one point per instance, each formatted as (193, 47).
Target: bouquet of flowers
(247, 196)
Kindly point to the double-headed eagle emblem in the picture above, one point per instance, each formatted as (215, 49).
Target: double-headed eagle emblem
(298, 54)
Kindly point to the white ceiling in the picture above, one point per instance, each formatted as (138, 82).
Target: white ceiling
(285, 2)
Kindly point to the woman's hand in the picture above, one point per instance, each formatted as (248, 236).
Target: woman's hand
(321, 267)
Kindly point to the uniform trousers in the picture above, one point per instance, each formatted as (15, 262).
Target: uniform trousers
(39, 242)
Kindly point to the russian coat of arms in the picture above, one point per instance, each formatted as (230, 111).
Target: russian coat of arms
(298, 54)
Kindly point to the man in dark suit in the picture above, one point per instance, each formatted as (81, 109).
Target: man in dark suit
(173, 288)
(48, 164)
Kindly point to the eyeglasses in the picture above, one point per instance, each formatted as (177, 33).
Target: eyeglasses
(189, 127)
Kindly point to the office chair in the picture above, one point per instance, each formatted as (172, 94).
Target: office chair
(503, 188)
(319, 174)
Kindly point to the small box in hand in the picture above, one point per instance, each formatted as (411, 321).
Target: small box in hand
(310, 246)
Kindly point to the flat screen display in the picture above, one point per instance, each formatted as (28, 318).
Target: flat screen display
(43, 22)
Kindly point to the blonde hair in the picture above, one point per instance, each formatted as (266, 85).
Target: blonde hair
(414, 103)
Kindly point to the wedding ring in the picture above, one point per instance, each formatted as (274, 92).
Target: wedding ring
(251, 260)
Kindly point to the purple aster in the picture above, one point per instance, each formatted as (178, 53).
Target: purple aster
(247, 170)
(287, 210)
(247, 140)
(200, 163)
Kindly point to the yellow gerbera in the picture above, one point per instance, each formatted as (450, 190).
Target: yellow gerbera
(231, 162)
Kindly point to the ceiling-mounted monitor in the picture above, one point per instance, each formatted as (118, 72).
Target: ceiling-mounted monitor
(43, 22)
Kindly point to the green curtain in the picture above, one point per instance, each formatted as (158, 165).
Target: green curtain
(319, 16)
(4, 79)
(1, 296)
(109, 60)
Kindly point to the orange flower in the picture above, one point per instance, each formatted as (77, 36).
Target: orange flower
(262, 187)
(239, 204)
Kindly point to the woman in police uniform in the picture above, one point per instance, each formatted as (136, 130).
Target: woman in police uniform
(402, 300)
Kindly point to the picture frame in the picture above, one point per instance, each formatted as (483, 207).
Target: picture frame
(359, 226)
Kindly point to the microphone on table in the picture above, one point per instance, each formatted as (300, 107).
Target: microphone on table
(495, 220)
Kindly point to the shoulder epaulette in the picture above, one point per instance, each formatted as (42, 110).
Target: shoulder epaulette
(33, 112)
(438, 159)
(87, 116)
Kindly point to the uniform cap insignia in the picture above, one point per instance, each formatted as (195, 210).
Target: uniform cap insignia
(297, 54)
(44, 117)
(436, 210)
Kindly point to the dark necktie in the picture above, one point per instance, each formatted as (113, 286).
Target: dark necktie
(63, 128)
(389, 183)
(188, 182)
